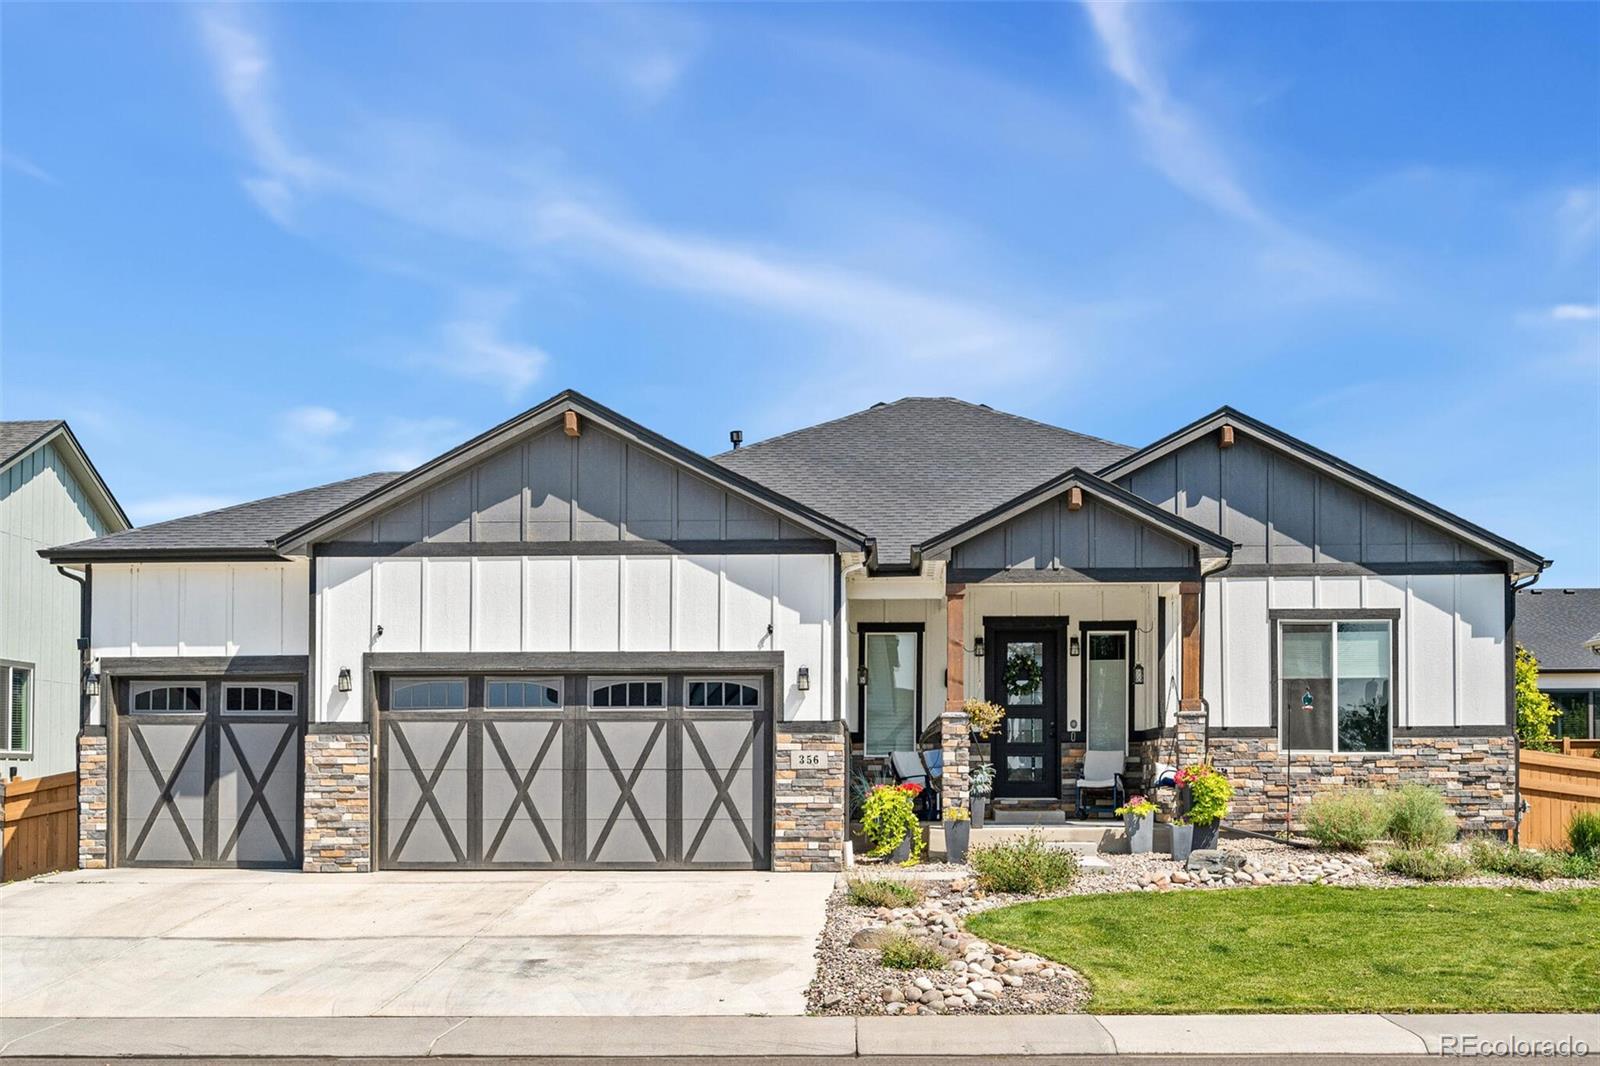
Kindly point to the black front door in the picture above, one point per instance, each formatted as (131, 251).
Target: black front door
(1025, 679)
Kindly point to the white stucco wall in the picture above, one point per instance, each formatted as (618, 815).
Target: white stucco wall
(577, 603)
(1451, 635)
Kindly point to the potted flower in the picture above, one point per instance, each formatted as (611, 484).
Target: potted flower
(980, 784)
(983, 717)
(1208, 794)
(889, 819)
(957, 833)
(1139, 815)
(1182, 838)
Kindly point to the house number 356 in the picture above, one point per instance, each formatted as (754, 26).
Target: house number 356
(808, 760)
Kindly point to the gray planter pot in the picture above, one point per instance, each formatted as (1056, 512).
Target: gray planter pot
(1205, 836)
(1182, 841)
(1141, 832)
(902, 852)
(980, 809)
(957, 835)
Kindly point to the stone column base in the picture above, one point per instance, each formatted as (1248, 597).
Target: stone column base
(94, 812)
(809, 807)
(338, 802)
(955, 738)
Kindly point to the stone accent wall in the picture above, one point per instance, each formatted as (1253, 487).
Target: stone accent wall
(1191, 730)
(1478, 775)
(956, 740)
(338, 803)
(94, 809)
(809, 801)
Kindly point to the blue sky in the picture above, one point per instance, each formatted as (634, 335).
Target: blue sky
(250, 249)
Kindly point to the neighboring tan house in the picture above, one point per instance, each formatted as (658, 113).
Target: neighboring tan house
(1561, 627)
(570, 642)
(49, 492)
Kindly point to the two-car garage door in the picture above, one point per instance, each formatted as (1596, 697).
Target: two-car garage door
(657, 771)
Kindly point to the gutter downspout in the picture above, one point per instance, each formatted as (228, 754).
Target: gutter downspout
(1511, 686)
(83, 641)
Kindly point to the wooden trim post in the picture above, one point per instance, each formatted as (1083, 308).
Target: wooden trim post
(955, 648)
(1191, 661)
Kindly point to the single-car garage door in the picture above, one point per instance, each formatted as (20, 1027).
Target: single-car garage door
(661, 771)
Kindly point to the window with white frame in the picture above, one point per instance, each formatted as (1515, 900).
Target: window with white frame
(516, 693)
(258, 697)
(892, 693)
(428, 694)
(167, 697)
(16, 689)
(632, 692)
(1336, 684)
(705, 692)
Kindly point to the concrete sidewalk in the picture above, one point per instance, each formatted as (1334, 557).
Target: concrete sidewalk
(1237, 1034)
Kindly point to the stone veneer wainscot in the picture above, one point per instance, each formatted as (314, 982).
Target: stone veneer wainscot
(808, 809)
(338, 802)
(94, 841)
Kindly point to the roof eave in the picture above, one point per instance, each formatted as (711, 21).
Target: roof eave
(68, 556)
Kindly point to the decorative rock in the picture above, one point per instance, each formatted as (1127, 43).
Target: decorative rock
(893, 995)
(1215, 861)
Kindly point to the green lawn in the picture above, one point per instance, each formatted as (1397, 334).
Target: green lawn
(1318, 948)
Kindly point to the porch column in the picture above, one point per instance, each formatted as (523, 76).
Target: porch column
(955, 734)
(1191, 739)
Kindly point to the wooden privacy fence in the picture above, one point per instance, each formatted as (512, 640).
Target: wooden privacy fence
(40, 826)
(1556, 787)
(1580, 747)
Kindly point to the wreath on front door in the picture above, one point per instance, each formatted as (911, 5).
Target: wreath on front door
(1024, 674)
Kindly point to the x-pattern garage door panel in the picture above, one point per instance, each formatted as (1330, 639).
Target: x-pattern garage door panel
(164, 792)
(426, 792)
(258, 792)
(524, 783)
(625, 791)
(721, 792)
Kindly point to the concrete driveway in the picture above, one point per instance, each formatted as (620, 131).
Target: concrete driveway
(181, 943)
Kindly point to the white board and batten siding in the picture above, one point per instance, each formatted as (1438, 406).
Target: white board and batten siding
(199, 609)
(1451, 634)
(614, 603)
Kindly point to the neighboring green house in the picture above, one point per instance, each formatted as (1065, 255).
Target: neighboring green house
(49, 493)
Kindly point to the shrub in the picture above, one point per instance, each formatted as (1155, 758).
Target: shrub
(1427, 863)
(1583, 833)
(1025, 865)
(1536, 712)
(1419, 818)
(1499, 857)
(1209, 793)
(1346, 819)
(983, 716)
(906, 952)
(1583, 866)
(889, 816)
(881, 892)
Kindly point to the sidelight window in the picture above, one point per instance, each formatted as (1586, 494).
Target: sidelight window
(892, 694)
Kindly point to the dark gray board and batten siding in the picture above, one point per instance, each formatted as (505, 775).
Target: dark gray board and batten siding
(1051, 537)
(552, 488)
(1280, 511)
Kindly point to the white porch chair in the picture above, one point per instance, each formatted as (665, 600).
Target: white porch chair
(1102, 770)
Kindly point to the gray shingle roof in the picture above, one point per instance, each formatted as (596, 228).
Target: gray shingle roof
(16, 436)
(242, 530)
(906, 471)
(1556, 623)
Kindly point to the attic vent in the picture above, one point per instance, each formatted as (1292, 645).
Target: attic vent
(737, 437)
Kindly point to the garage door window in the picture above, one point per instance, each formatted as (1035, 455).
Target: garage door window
(646, 692)
(181, 697)
(520, 694)
(428, 694)
(705, 693)
(253, 699)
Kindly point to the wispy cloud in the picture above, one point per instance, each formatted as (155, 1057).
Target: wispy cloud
(1575, 312)
(314, 423)
(26, 167)
(474, 346)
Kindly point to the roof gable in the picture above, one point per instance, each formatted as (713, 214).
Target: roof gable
(450, 503)
(906, 471)
(1285, 501)
(18, 440)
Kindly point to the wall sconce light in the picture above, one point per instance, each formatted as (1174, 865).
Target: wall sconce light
(802, 680)
(1138, 673)
(861, 675)
(1072, 647)
(91, 683)
(977, 646)
(344, 679)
